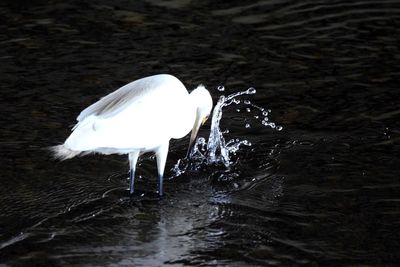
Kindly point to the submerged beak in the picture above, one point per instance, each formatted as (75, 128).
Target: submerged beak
(193, 135)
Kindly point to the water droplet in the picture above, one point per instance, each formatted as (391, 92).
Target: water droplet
(265, 113)
(236, 101)
(270, 124)
(248, 125)
(247, 102)
(256, 117)
(248, 109)
(238, 110)
(221, 88)
(269, 110)
(251, 91)
(246, 143)
(279, 128)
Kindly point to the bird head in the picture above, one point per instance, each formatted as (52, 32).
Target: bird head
(203, 103)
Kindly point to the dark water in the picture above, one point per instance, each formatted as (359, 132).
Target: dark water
(324, 191)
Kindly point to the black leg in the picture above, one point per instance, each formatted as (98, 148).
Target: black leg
(161, 185)
(132, 181)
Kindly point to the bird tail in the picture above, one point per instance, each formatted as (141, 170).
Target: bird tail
(61, 152)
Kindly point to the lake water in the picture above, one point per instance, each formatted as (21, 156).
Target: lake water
(323, 191)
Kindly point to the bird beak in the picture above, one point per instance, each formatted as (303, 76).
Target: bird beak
(193, 135)
(204, 120)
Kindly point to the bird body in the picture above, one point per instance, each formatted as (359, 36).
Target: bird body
(132, 117)
(139, 117)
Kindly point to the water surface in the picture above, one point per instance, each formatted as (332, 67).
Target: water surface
(324, 191)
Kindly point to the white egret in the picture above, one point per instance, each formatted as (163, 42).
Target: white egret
(139, 117)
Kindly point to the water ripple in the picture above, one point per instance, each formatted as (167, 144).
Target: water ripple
(323, 191)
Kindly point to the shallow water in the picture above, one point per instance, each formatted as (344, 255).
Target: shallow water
(323, 191)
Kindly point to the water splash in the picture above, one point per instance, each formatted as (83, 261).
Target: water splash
(216, 151)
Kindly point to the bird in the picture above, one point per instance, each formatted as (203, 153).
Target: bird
(141, 116)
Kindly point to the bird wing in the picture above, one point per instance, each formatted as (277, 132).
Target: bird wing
(127, 94)
(149, 118)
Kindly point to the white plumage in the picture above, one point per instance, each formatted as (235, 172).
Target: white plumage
(139, 117)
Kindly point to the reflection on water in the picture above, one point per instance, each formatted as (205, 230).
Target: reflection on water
(323, 191)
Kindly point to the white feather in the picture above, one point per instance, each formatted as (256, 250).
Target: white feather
(61, 152)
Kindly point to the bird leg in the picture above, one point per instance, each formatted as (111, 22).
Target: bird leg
(161, 185)
(133, 157)
(161, 154)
